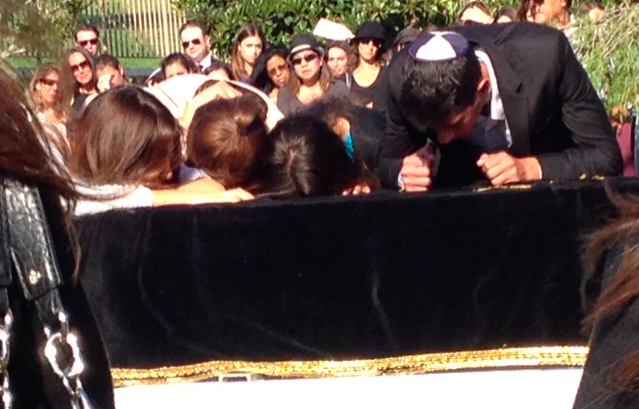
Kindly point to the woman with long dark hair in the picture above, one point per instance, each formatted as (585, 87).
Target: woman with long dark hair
(248, 46)
(272, 71)
(303, 157)
(79, 63)
(368, 65)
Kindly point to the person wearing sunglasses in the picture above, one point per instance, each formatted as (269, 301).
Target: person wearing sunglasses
(46, 94)
(196, 43)
(369, 65)
(79, 62)
(312, 79)
(271, 71)
(87, 36)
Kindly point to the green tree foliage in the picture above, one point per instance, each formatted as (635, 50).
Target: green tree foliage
(42, 27)
(609, 51)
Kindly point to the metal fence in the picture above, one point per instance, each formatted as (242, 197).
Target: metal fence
(136, 28)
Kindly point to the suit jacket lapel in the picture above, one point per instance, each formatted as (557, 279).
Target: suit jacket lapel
(511, 87)
(513, 95)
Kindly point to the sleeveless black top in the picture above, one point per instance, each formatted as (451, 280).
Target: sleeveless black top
(365, 95)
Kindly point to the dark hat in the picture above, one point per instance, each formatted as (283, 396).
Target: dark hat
(303, 42)
(439, 46)
(370, 29)
(405, 36)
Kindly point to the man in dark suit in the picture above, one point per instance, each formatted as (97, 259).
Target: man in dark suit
(503, 103)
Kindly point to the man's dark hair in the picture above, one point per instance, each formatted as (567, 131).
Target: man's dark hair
(107, 60)
(433, 90)
(85, 27)
(196, 24)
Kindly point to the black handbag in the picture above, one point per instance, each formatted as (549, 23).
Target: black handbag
(28, 265)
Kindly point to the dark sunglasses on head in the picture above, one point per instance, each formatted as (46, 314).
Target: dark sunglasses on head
(277, 69)
(195, 41)
(307, 58)
(48, 82)
(84, 43)
(81, 66)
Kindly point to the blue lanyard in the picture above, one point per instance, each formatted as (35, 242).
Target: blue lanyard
(350, 149)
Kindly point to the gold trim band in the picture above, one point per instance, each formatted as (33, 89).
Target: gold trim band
(547, 356)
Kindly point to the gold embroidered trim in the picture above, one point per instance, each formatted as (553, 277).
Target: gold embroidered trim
(514, 186)
(559, 356)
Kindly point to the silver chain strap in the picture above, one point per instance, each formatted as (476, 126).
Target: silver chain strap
(63, 353)
(5, 331)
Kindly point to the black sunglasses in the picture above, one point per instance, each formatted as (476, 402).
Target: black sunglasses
(83, 65)
(48, 82)
(84, 43)
(277, 69)
(307, 58)
(195, 41)
(366, 41)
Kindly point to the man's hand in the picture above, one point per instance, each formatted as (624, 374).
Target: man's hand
(417, 168)
(502, 168)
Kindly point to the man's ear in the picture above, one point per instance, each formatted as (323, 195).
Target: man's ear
(483, 86)
(207, 40)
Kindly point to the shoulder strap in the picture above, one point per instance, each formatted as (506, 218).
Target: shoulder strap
(29, 242)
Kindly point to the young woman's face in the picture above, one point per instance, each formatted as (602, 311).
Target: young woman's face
(278, 70)
(174, 70)
(47, 88)
(80, 68)
(250, 48)
(545, 11)
(337, 61)
(307, 65)
(368, 49)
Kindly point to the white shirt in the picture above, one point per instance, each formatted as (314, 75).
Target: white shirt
(205, 63)
(491, 133)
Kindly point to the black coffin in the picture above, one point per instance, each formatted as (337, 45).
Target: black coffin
(342, 278)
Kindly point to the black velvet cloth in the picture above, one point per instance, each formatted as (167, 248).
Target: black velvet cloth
(358, 277)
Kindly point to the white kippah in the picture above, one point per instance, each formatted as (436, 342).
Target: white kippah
(439, 46)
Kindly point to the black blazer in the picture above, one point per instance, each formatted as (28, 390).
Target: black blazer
(552, 110)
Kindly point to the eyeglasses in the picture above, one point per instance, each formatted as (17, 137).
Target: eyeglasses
(195, 41)
(307, 58)
(48, 82)
(279, 68)
(81, 66)
(92, 41)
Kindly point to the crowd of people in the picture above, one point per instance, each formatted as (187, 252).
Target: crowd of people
(132, 145)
